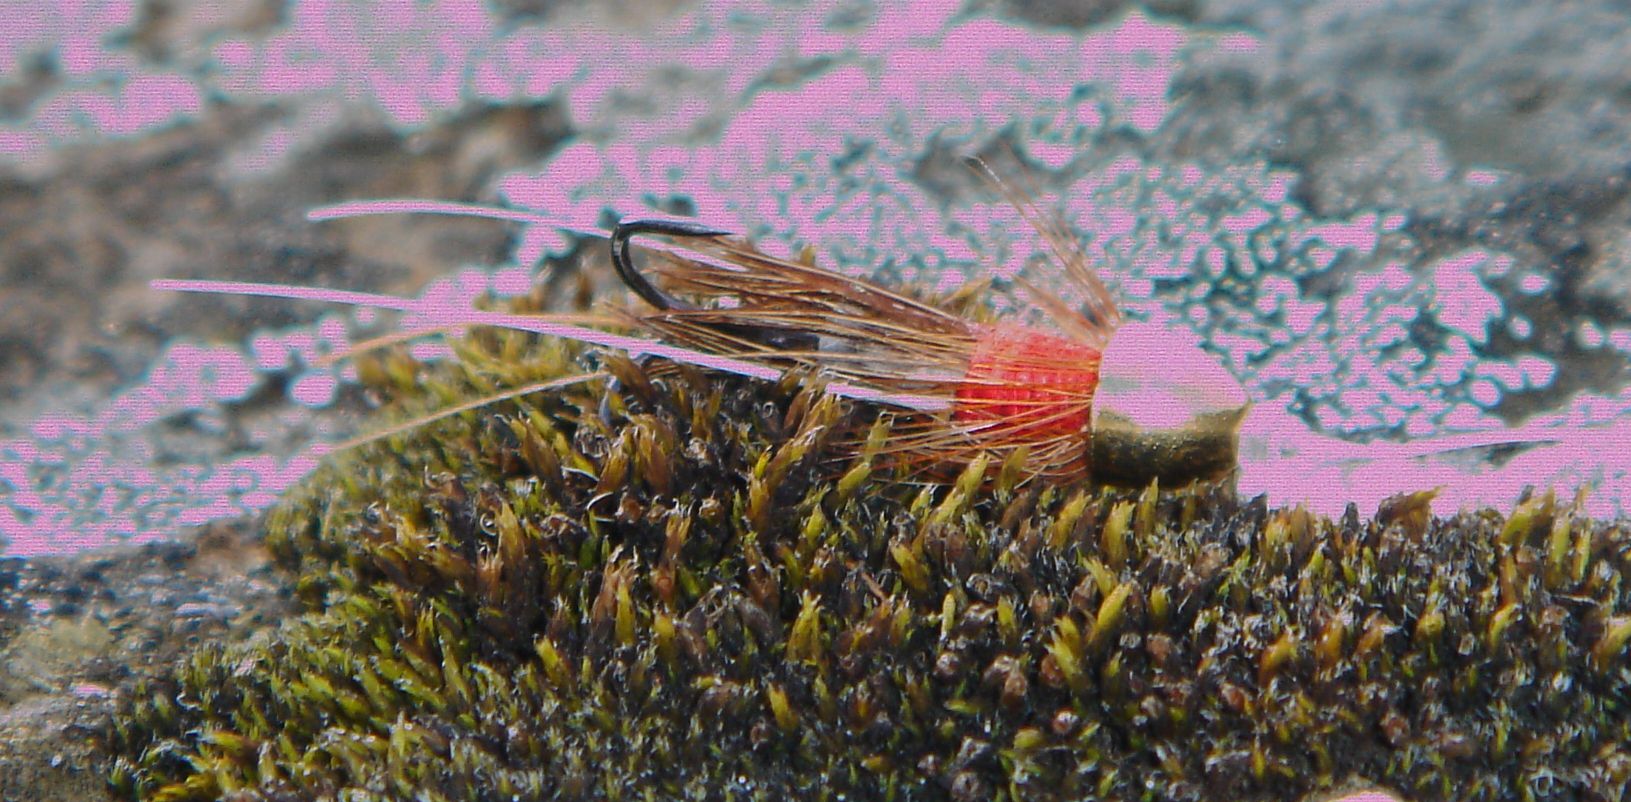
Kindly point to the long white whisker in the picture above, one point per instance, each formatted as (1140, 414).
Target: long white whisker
(633, 346)
(366, 208)
(418, 206)
(348, 297)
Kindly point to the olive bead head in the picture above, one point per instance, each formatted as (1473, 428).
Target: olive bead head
(1164, 409)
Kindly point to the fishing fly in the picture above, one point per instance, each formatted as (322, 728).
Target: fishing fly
(1095, 396)
(1092, 395)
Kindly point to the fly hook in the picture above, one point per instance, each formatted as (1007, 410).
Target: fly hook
(628, 228)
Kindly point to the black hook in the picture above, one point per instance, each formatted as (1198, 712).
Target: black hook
(627, 229)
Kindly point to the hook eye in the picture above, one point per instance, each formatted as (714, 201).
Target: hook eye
(627, 229)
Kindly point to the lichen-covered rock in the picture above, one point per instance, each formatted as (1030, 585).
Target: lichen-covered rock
(680, 586)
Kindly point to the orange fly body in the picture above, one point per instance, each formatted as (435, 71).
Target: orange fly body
(1029, 377)
(1120, 403)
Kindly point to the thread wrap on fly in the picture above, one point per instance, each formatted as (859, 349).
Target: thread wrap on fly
(1028, 382)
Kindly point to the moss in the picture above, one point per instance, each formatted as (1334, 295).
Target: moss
(691, 587)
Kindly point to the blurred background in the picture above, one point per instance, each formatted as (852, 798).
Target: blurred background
(1390, 220)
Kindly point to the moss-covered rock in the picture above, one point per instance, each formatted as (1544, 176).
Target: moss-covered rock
(683, 586)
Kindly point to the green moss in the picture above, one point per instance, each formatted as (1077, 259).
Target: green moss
(693, 587)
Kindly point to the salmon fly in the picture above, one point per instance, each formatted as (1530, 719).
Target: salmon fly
(1097, 396)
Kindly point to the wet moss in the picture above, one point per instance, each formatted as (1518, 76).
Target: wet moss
(683, 586)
